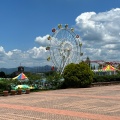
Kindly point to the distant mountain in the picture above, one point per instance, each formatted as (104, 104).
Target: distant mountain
(35, 69)
(8, 70)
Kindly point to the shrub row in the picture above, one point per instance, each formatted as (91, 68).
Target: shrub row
(106, 78)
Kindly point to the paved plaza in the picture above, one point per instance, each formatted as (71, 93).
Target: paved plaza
(95, 103)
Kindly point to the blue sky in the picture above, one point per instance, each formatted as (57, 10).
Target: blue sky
(23, 21)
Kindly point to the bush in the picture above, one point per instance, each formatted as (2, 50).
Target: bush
(5, 85)
(106, 78)
(77, 75)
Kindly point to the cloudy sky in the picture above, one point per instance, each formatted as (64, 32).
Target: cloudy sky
(26, 24)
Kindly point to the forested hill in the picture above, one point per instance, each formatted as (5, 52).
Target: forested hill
(35, 69)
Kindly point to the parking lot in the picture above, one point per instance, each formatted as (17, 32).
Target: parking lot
(95, 103)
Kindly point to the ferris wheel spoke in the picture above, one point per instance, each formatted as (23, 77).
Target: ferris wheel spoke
(55, 47)
(64, 64)
(56, 57)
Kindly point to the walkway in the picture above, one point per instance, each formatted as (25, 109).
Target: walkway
(96, 103)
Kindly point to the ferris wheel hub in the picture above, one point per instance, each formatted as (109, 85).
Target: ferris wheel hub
(66, 48)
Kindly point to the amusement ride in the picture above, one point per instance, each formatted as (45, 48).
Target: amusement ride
(64, 47)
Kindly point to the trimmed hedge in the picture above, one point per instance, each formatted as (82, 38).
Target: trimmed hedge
(106, 78)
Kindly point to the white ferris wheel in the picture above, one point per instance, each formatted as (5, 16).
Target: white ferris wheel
(64, 47)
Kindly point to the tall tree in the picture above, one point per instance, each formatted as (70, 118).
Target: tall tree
(2, 74)
(88, 61)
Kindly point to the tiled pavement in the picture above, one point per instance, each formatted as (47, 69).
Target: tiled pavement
(96, 103)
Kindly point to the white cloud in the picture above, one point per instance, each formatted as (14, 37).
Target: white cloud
(100, 34)
(33, 57)
(2, 55)
(42, 41)
(37, 53)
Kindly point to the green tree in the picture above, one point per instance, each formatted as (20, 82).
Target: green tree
(54, 79)
(5, 84)
(33, 77)
(77, 75)
(88, 61)
(2, 74)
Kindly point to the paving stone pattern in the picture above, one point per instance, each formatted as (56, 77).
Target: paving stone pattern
(95, 103)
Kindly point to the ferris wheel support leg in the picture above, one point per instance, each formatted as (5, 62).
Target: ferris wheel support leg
(64, 66)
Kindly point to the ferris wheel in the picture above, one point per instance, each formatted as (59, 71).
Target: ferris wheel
(64, 47)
